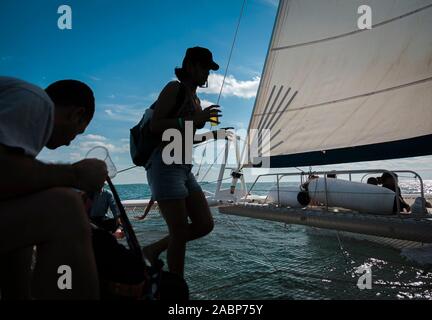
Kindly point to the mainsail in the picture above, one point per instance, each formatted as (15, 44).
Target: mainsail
(332, 93)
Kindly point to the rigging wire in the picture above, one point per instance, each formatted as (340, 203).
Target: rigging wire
(133, 167)
(211, 166)
(127, 169)
(227, 66)
(217, 103)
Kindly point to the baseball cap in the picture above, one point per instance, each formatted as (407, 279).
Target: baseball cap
(202, 55)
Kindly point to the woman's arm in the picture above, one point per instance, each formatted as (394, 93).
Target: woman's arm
(164, 107)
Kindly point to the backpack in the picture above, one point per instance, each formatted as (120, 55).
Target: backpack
(123, 276)
(142, 141)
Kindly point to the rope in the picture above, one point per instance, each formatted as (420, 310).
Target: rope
(133, 167)
(211, 166)
(226, 69)
(232, 49)
(204, 183)
(344, 253)
(244, 235)
(124, 170)
(202, 158)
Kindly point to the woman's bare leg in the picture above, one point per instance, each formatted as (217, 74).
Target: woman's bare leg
(202, 223)
(175, 215)
(199, 213)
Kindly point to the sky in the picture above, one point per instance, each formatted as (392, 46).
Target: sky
(127, 51)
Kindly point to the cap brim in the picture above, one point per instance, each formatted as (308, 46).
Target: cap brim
(214, 66)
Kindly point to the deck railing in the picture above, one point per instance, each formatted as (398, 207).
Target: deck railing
(302, 174)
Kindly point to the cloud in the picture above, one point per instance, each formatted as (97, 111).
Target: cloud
(94, 78)
(75, 156)
(232, 86)
(126, 113)
(95, 137)
(237, 124)
(87, 142)
(88, 145)
(140, 99)
(206, 103)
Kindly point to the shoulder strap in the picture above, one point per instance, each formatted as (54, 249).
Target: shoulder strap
(181, 94)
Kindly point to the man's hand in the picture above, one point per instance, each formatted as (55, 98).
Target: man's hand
(119, 234)
(90, 174)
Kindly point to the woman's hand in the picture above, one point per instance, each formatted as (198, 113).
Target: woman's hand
(201, 117)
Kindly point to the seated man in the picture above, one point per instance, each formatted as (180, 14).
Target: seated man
(389, 182)
(38, 206)
(100, 203)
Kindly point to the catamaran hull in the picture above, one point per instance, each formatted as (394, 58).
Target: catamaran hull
(352, 195)
(394, 227)
(389, 242)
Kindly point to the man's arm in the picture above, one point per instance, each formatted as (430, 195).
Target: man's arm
(21, 174)
(404, 204)
(113, 207)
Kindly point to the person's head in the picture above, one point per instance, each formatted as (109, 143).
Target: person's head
(303, 198)
(196, 66)
(74, 108)
(388, 180)
(372, 180)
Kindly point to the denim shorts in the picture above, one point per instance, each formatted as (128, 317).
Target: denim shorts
(170, 182)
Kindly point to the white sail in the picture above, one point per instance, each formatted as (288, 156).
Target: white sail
(332, 93)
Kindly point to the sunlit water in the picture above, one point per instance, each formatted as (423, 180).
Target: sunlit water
(245, 258)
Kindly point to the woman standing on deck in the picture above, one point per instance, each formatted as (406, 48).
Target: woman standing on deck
(173, 186)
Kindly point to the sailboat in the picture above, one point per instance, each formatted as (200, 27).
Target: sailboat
(333, 93)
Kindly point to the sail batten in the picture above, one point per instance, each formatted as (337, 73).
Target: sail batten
(348, 97)
(353, 32)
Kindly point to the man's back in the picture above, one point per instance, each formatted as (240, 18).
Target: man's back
(26, 116)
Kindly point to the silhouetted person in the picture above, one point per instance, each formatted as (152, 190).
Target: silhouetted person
(38, 206)
(101, 201)
(389, 182)
(173, 186)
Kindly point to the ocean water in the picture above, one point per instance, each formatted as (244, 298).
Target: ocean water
(245, 258)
